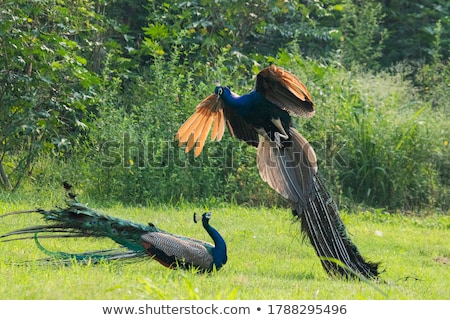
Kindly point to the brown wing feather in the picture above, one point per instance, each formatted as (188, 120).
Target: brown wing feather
(285, 90)
(195, 129)
(221, 125)
(200, 122)
(204, 134)
(204, 123)
(216, 126)
(192, 122)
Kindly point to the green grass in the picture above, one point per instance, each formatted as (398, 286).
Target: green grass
(267, 259)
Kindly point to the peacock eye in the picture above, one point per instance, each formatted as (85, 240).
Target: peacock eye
(220, 91)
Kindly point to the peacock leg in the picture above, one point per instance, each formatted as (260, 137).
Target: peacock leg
(279, 135)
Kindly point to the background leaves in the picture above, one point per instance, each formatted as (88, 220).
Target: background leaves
(94, 92)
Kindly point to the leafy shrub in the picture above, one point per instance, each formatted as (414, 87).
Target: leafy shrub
(106, 97)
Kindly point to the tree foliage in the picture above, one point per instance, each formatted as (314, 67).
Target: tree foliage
(47, 91)
(413, 28)
(97, 90)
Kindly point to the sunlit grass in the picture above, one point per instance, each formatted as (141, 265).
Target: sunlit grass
(268, 259)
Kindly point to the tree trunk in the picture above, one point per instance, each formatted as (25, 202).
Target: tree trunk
(4, 177)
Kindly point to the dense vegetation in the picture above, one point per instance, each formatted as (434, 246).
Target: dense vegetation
(93, 93)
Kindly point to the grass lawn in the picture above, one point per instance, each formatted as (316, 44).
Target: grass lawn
(268, 259)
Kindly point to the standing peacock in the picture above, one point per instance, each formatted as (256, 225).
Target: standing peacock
(137, 240)
(285, 159)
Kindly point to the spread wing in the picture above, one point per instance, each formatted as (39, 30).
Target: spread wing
(285, 90)
(197, 127)
(211, 115)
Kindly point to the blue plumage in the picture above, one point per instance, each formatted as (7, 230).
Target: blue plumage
(219, 251)
(258, 112)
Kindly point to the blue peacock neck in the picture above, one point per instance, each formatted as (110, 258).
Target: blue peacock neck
(242, 104)
(220, 248)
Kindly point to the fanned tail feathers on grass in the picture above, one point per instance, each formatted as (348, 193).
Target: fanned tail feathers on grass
(77, 220)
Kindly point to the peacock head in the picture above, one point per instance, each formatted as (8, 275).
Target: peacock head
(219, 91)
(205, 217)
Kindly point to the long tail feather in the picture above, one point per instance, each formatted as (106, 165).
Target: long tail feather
(87, 257)
(76, 220)
(323, 226)
(292, 172)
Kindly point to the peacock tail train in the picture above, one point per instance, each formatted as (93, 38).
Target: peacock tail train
(292, 172)
(136, 240)
(323, 226)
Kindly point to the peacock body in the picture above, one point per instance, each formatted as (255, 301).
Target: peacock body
(285, 159)
(137, 240)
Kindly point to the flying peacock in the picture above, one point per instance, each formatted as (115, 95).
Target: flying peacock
(285, 159)
(137, 240)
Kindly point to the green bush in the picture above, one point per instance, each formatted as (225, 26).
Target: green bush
(104, 98)
(377, 141)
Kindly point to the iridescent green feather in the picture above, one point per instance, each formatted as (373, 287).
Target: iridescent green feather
(82, 221)
(77, 220)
